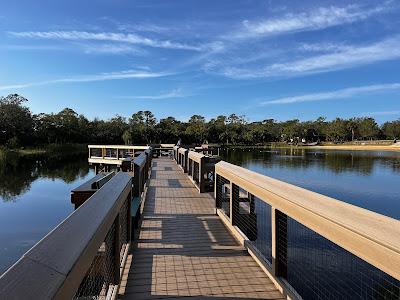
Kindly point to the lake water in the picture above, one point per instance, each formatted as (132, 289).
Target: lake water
(369, 179)
(34, 198)
(35, 192)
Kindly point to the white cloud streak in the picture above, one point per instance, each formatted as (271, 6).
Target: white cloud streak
(346, 57)
(176, 93)
(113, 49)
(381, 113)
(338, 94)
(129, 38)
(321, 18)
(127, 74)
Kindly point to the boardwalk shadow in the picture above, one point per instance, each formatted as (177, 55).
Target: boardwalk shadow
(190, 235)
(174, 183)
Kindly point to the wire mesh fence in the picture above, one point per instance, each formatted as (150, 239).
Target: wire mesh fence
(124, 216)
(103, 273)
(95, 152)
(261, 222)
(190, 167)
(319, 269)
(253, 217)
(110, 152)
(100, 278)
(196, 172)
(183, 161)
(223, 194)
(209, 181)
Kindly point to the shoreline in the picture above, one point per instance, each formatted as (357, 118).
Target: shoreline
(355, 147)
(328, 147)
(52, 149)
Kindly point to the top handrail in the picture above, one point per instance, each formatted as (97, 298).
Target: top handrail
(140, 160)
(102, 181)
(369, 235)
(56, 265)
(182, 150)
(195, 156)
(128, 147)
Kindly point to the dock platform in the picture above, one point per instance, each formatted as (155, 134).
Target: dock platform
(184, 249)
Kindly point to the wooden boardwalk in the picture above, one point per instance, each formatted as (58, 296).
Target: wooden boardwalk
(184, 250)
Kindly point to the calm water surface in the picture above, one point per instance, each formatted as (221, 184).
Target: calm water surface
(369, 179)
(35, 192)
(34, 198)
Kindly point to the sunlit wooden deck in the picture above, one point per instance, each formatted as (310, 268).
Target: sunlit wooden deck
(184, 250)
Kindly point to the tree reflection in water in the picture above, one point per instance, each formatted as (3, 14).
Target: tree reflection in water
(18, 172)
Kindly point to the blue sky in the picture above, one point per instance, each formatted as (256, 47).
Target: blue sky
(264, 59)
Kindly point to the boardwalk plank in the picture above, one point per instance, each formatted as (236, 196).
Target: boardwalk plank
(185, 251)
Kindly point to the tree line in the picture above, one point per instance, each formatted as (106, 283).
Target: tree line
(19, 127)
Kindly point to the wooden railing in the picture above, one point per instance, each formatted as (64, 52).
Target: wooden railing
(282, 224)
(107, 153)
(140, 173)
(83, 192)
(199, 167)
(81, 257)
(175, 152)
(312, 246)
(162, 149)
(183, 159)
(195, 170)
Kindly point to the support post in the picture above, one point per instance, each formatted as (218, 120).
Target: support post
(231, 186)
(201, 175)
(234, 203)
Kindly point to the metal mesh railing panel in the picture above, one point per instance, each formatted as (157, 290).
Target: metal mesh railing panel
(253, 217)
(124, 214)
(319, 269)
(111, 152)
(190, 169)
(223, 194)
(96, 152)
(101, 274)
(196, 172)
(209, 181)
(263, 231)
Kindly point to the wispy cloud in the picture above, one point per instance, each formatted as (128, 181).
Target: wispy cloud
(127, 74)
(129, 38)
(337, 94)
(344, 57)
(381, 113)
(317, 19)
(176, 93)
(113, 49)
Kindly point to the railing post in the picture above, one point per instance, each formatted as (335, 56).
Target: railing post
(201, 175)
(216, 183)
(279, 243)
(234, 203)
(231, 186)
